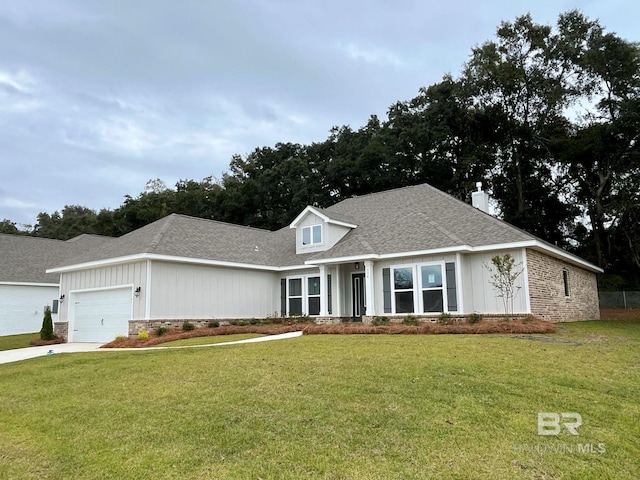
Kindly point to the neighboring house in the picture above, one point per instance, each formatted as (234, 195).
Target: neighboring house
(410, 251)
(25, 287)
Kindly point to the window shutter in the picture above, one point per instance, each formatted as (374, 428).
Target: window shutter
(452, 297)
(386, 289)
(283, 297)
(329, 309)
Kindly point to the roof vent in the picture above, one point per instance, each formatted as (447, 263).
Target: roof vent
(256, 249)
(480, 199)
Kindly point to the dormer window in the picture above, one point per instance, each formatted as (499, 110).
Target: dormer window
(312, 235)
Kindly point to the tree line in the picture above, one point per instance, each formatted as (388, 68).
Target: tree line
(547, 117)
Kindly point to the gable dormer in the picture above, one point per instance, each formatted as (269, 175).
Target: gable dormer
(318, 230)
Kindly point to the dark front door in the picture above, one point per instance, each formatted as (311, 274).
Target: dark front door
(357, 292)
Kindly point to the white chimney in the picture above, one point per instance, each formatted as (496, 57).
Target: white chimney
(480, 199)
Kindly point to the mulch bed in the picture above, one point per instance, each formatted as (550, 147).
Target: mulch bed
(485, 326)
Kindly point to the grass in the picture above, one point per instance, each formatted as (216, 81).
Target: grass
(330, 407)
(209, 340)
(11, 342)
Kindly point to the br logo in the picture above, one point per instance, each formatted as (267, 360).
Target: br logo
(549, 423)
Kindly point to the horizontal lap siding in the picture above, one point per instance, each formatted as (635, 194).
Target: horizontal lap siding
(197, 292)
(22, 307)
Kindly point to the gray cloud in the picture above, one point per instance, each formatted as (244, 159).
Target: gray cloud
(98, 97)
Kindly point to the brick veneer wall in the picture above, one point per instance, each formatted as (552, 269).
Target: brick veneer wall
(546, 290)
(61, 329)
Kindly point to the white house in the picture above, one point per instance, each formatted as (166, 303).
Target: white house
(25, 287)
(409, 251)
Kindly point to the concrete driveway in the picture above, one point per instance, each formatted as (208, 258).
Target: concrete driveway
(8, 356)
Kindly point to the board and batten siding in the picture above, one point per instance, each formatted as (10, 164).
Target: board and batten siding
(132, 274)
(480, 295)
(182, 291)
(22, 307)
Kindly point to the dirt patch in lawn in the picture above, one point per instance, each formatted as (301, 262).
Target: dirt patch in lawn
(625, 314)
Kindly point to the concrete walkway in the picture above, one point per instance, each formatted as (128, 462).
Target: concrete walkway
(8, 356)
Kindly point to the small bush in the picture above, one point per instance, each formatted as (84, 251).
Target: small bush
(254, 321)
(213, 324)
(160, 331)
(238, 323)
(188, 326)
(301, 319)
(46, 333)
(143, 335)
(121, 338)
(474, 318)
(444, 318)
(410, 320)
(380, 321)
(527, 319)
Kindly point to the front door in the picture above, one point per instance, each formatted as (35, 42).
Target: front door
(357, 292)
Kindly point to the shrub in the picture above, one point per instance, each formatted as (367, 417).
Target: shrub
(46, 333)
(254, 321)
(410, 320)
(213, 324)
(380, 321)
(527, 319)
(143, 335)
(121, 338)
(238, 323)
(188, 326)
(444, 318)
(474, 318)
(160, 331)
(301, 319)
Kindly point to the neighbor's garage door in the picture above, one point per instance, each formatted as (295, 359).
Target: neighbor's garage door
(100, 316)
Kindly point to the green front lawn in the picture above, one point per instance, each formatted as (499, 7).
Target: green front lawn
(331, 407)
(209, 340)
(11, 342)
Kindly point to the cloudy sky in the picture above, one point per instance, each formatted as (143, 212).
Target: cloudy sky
(99, 96)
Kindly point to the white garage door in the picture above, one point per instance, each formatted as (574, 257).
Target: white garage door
(101, 316)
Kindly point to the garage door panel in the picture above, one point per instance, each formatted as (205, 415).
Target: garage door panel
(100, 316)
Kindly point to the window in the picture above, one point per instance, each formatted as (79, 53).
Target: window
(403, 289)
(416, 288)
(431, 277)
(565, 280)
(312, 235)
(295, 296)
(303, 296)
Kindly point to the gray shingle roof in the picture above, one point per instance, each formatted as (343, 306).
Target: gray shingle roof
(416, 218)
(395, 221)
(24, 259)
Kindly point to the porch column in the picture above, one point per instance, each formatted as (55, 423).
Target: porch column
(368, 286)
(337, 308)
(324, 296)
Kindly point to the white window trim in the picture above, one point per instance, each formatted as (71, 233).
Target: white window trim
(305, 292)
(393, 287)
(443, 288)
(312, 243)
(418, 304)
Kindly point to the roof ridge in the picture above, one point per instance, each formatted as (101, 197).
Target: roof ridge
(157, 238)
(220, 222)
